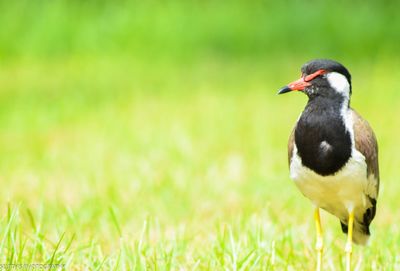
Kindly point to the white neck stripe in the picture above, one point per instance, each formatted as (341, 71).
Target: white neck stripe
(339, 83)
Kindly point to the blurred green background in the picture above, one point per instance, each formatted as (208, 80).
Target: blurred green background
(148, 135)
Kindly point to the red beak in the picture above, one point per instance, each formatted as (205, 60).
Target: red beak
(301, 83)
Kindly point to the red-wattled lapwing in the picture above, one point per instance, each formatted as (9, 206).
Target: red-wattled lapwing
(333, 153)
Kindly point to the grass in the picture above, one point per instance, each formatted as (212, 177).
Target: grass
(114, 164)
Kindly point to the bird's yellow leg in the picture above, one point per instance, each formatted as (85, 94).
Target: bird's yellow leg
(349, 244)
(319, 245)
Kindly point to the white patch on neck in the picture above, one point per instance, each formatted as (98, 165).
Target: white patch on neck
(339, 83)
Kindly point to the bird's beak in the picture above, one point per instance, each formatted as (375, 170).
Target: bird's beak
(300, 84)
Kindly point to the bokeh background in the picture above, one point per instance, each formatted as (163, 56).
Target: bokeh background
(147, 135)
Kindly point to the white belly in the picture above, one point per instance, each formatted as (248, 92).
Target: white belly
(337, 193)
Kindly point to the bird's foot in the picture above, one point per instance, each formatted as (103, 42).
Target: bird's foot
(319, 260)
(349, 245)
(348, 261)
(319, 245)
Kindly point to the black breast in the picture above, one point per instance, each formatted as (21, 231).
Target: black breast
(322, 141)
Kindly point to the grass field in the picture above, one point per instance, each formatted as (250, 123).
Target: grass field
(157, 141)
(112, 171)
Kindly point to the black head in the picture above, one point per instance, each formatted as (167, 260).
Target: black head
(327, 65)
(322, 77)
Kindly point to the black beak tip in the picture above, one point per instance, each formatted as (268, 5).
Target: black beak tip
(285, 89)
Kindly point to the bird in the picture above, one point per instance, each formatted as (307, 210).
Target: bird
(333, 154)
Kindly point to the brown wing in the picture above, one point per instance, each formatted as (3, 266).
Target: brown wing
(366, 144)
(291, 145)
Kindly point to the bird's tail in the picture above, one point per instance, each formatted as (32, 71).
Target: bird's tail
(361, 233)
